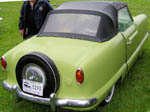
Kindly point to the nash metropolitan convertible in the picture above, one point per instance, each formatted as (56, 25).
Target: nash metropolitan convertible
(81, 51)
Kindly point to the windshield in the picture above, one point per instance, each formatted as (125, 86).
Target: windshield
(73, 23)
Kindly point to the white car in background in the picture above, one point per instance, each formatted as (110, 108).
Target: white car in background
(9, 1)
(1, 19)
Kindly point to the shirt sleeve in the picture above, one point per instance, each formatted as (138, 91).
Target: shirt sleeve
(49, 6)
(21, 18)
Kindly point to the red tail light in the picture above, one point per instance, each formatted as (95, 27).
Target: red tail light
(3, 62)
(79, 76)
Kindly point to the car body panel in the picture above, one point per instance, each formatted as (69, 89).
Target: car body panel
(67, 64)
(59, 54)
(134, 36)
(140, 32)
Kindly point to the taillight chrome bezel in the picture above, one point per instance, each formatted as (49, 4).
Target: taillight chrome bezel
(79, 69)
(3, 67)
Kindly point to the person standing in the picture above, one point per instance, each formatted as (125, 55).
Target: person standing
(32, 17)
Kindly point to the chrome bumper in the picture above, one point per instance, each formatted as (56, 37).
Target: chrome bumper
(53, 101)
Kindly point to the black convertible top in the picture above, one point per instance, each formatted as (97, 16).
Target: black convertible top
(110, 8)
(92, 5)
(59, 24)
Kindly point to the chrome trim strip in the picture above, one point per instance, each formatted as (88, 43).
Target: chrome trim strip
(130, 42)
(76, 103)
(53, 101)
(133, 35)
(32, 97)
(146, 35)
(135, 54)
(8, 87)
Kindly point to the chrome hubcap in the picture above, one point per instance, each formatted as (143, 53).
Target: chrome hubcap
(110, 94)
(34, 73)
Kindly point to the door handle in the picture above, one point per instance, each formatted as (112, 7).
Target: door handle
(130, 42)
(133, 35)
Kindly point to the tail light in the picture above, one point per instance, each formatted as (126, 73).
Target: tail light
(79, 76)
(3, 62)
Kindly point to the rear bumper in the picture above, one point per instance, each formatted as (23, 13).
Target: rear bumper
(53, 101)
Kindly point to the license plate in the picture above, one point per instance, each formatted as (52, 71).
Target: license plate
(35, 88)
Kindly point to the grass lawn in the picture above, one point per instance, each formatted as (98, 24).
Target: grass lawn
(132, 95)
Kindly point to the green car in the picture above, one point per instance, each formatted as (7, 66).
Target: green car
(81, 51)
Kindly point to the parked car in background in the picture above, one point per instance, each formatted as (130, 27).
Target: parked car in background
(74, 62)
(1, 19)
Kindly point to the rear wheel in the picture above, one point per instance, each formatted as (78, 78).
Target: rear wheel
(109, 96)
(37, 74)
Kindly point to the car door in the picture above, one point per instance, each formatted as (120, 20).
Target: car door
(129, 31)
